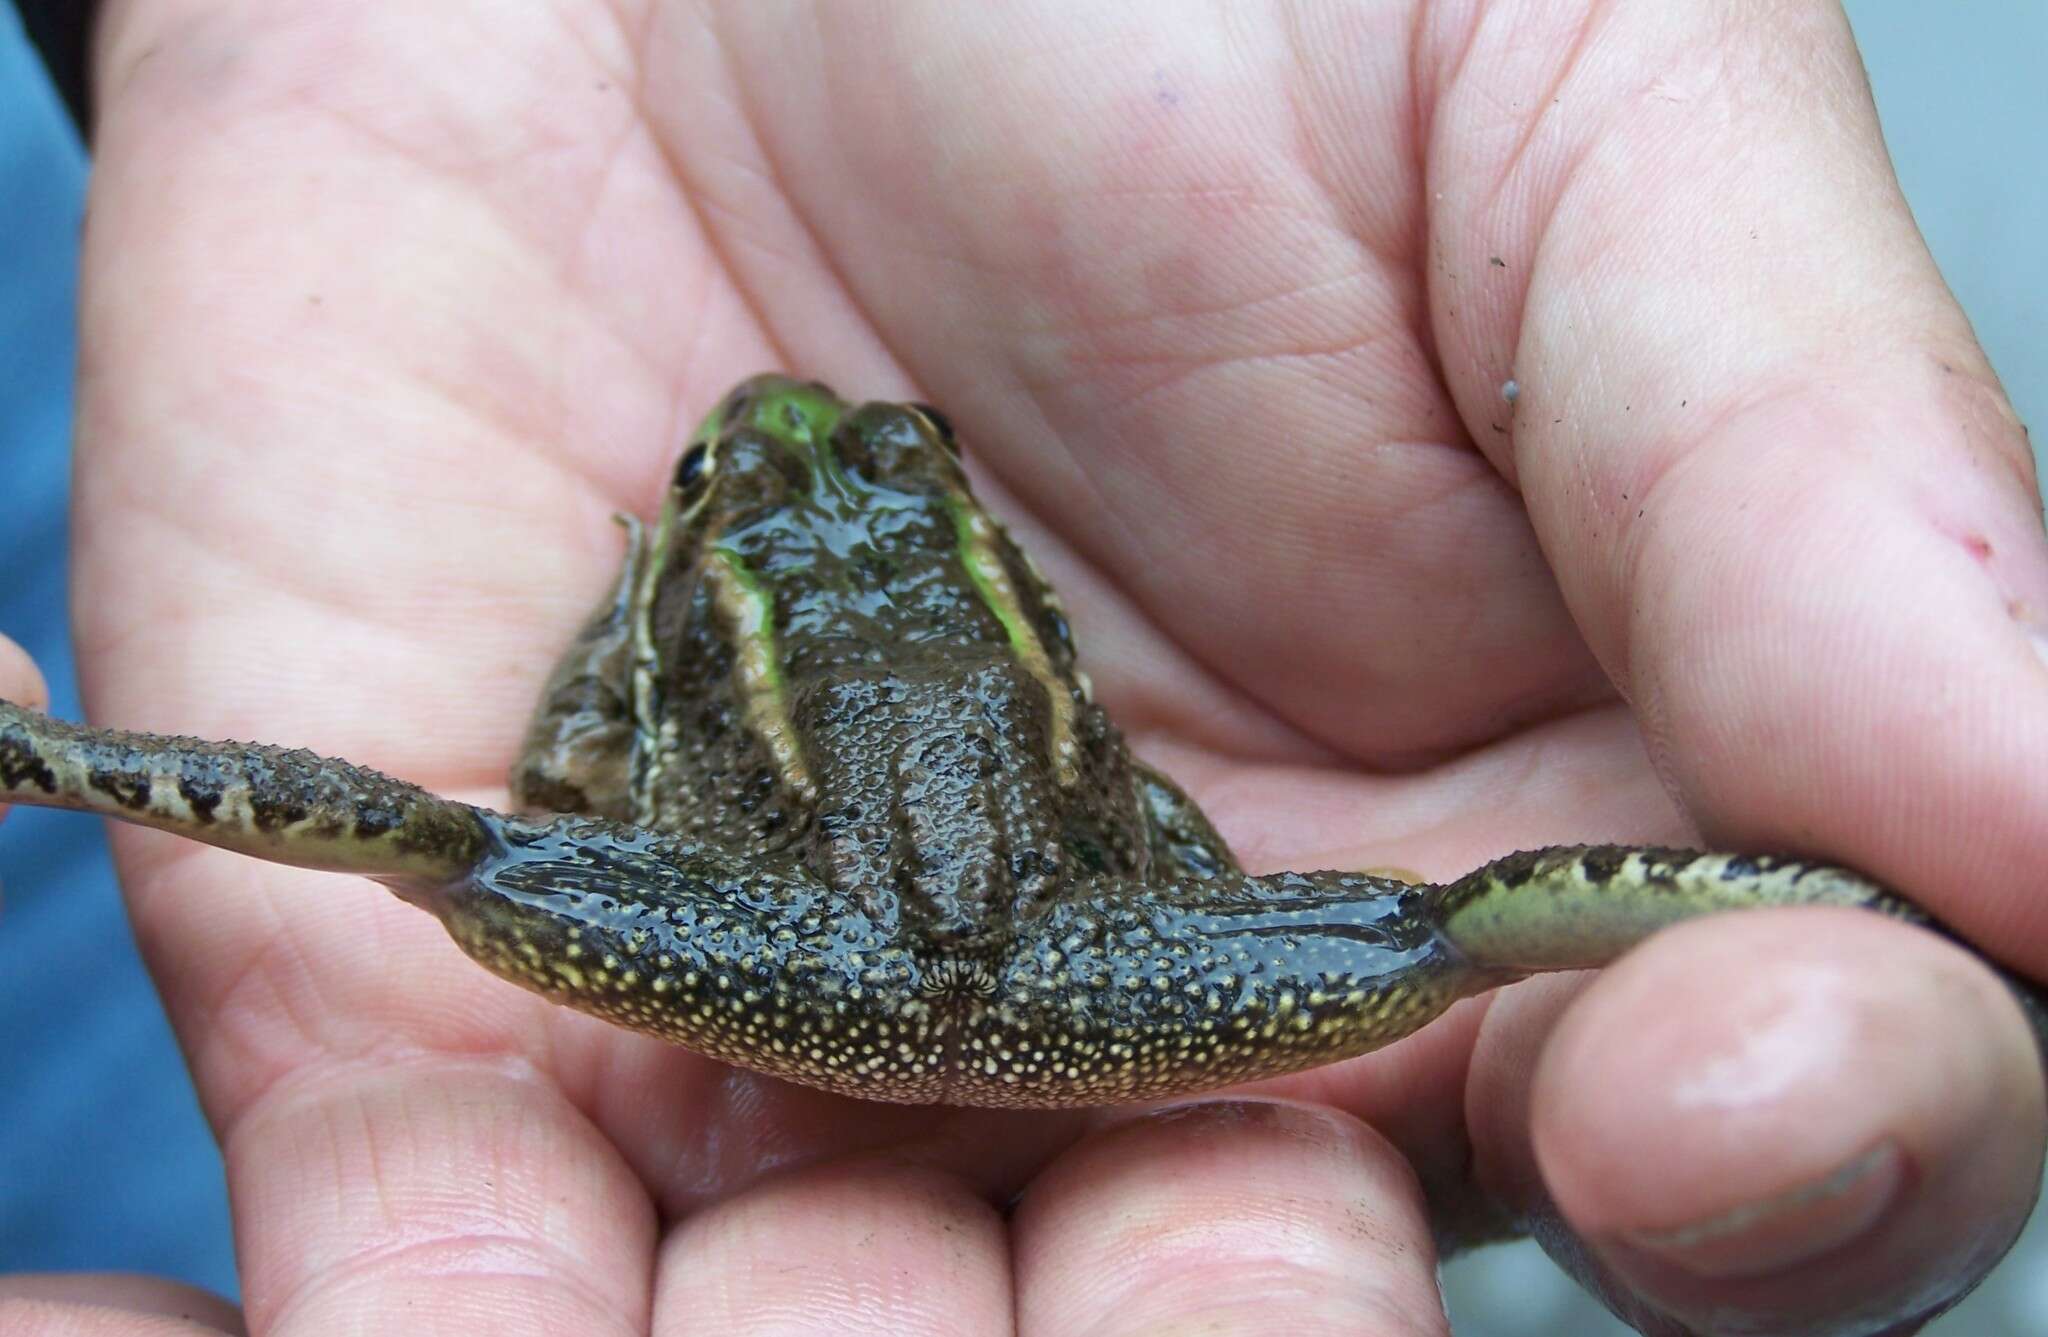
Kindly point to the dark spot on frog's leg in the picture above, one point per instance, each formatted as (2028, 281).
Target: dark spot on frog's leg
(201, 794)
(270, 813)
(1513, 870)
(19, 764)
(1740, 868)
(376, 819)
(129, 790)
(1603, 862)
(1660, 868)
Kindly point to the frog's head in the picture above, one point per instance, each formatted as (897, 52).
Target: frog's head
(781, 451)
(835, 562)
(840, 530)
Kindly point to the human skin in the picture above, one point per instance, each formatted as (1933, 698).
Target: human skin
(19, 680)
(387, 308)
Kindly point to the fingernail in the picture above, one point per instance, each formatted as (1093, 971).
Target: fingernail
(1783, 1231)
(1233, 1117)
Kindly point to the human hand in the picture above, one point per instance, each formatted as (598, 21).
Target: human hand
(376, 338)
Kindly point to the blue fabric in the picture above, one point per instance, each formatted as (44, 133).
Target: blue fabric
(105, 1162)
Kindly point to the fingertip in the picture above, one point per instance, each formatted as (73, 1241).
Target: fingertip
(403, 1190)
(19, 680)
(839, 1247)
(1792, 1114)
(1258, 1213)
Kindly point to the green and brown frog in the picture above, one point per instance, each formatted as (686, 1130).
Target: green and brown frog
(821, 791)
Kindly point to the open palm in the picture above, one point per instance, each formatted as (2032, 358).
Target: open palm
(389, 308)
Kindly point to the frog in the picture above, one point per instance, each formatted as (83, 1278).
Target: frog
(821, 790)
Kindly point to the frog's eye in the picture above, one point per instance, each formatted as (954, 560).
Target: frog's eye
(1055, 625)
(692, 469)
(942, 427)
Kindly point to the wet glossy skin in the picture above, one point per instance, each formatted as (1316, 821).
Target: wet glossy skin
(840, 808)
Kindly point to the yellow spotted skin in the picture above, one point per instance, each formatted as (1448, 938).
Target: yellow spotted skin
(1110, 999)
(820, 790)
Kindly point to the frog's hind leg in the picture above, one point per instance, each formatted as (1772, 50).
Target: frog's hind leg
(285, 805)
(1133, 990)
(1183, 843)
(578, 753)
(1579, 906)
(749, 960)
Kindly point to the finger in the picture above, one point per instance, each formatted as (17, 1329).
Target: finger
(19, 681)
(88, 1304)
(1228, 1216)
(1771, 1120)
(1778, 482)
(869, 1247)
(429, 1194)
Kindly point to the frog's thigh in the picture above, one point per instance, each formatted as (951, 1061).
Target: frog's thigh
(1183, 842)
(684, 942)
(1147, 991)
(577, 757)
